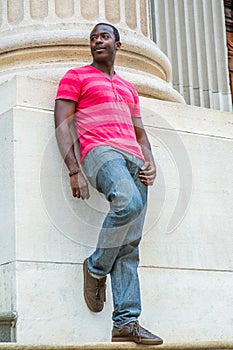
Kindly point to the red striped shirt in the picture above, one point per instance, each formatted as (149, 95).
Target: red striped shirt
(104, 109)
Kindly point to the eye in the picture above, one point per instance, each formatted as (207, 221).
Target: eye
(93, 37)
(106, 36)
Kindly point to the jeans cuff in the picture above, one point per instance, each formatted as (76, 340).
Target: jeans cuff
(117, 325)
(98, 277)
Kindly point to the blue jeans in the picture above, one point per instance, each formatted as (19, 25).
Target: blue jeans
(115, 174)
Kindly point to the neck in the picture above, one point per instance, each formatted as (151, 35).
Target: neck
(107, 69)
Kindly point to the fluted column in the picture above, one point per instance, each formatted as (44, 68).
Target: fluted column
(229, 33)
(42, 37)
(192, 35)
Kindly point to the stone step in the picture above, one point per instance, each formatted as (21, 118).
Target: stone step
(120, 346)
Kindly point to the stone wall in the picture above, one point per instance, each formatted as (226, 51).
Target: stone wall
(186, 256)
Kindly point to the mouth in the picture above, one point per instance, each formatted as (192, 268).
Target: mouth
(99, 49)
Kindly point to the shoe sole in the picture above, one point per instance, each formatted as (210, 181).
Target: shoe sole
(85, 294)
(143, 341)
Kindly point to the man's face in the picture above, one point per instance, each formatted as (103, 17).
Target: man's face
(103, 44)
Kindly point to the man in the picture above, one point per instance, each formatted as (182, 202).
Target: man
(116, 159)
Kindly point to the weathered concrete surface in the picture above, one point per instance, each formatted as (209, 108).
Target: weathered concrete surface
(186, 273)
(120, 346)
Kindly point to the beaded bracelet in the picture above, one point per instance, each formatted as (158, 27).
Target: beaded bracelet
(73, 172)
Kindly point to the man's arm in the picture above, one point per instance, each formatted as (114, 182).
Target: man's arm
(63, 114)
(148, 171)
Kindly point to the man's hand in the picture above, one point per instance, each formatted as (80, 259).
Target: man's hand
(79, 186)
(147, 174)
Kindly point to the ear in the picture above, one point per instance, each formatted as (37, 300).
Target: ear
(118, 45)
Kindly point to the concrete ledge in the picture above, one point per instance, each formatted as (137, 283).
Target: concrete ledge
(218, 345)
(8, 316)
(7, 324)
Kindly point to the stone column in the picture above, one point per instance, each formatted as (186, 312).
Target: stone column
(192, 35)
(229, 33)
(43, 38)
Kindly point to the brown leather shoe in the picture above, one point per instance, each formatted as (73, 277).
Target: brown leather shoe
(94, 290)
(134, 332)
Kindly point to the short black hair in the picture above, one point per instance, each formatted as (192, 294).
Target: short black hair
(115, 30)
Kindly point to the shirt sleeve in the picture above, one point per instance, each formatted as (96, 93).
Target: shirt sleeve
(69, 86)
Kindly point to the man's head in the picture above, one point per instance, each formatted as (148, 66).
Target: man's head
(104, 41)
(115, 30)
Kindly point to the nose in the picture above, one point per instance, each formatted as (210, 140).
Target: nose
(98, 39)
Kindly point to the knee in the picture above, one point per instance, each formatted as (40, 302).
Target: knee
(131, 209)
(135, 207)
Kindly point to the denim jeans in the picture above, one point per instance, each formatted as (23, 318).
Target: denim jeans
(115, 174)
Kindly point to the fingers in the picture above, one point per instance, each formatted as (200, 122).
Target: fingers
(147, 180)
(147, 174)
(79, 186)
(76, 192)
(84, 192)
(145, 166)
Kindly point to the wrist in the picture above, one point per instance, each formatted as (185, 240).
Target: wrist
(74, 172)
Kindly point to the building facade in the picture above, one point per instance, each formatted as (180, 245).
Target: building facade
(186, 252)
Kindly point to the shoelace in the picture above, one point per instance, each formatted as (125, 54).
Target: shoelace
(135, 330)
